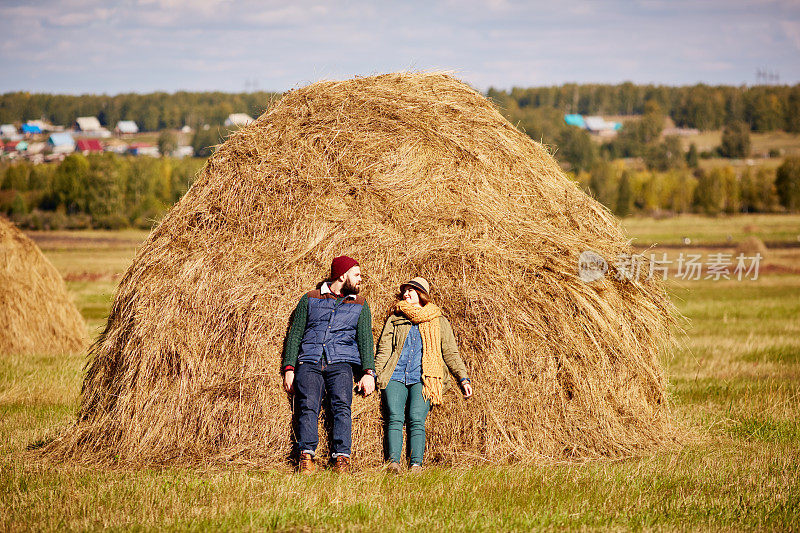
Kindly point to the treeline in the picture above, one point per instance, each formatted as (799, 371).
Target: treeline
(641, 138)
(111, 192)
(762, 107)
(105, 191)
(152, 112)
(715, 191)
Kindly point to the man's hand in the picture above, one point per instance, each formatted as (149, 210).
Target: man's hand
(366, 385)
(288, 382)
(467, 388)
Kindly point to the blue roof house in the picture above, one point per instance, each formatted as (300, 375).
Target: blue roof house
(61, 143)
(31, 129)
(575, 120)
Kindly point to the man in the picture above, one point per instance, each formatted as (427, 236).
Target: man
(330, 336)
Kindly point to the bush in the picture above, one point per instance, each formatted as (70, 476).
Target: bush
(735, 140)
(112, 222)
(787, 183)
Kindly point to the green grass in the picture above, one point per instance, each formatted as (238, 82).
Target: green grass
(706, 230)
(735, 386)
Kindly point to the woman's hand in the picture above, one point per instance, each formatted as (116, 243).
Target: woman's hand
(466, 386)
(288, 382)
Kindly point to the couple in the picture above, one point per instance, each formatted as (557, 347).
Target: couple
(330, 339)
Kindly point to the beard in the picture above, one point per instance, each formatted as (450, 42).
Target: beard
(349, 288)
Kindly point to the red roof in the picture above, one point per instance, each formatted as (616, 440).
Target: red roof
(11, 145)
(88, 145)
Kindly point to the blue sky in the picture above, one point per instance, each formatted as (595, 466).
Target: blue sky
(94, 46)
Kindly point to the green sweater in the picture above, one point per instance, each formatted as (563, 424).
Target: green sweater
(298, 327)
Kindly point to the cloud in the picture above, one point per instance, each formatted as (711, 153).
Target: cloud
(218, 44)
(791, 29)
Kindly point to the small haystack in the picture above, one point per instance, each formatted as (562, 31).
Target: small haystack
(751, 246)
(36, 313)
(413, 174)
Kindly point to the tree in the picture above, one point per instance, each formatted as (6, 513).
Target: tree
(68, 182)
(104, 186)
(167, 143)
(735, 140)
(758, 191)
(692, 157)
(682, 191)
(624, 196)
(787, 183)
(204, 140)
(709, 196)
(665, 155)
(602, 183)
(576, 147)
(17, 176)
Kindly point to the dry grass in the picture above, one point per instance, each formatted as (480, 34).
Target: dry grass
(412, 174)
(36, 313)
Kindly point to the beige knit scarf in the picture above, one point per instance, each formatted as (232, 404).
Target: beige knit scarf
(432, 373)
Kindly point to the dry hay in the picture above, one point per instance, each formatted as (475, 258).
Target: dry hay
(751, 246)
(36, 313)
(412, 174)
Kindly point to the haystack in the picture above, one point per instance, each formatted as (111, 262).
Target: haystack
(412, 174)
(751, 246)
(36, 313)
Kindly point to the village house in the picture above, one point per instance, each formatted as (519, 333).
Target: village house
(9, 131)
(61, 143)
(238, 120)
(143, 149)
(90, 127)
(126, 127)
(88, 146)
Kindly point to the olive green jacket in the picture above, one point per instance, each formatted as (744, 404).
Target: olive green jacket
(391, 341)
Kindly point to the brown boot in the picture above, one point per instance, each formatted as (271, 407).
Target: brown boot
(342, 465)
(307, 465)
(393, 467)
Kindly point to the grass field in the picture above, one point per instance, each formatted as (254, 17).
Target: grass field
(735, 386)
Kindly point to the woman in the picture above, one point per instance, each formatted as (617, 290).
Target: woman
(415, 349)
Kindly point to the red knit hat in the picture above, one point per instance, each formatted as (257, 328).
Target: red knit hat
(341, 264)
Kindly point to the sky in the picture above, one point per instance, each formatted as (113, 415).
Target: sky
(106, 46)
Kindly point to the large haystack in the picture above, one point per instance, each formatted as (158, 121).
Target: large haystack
(36, 313)
(413, 174)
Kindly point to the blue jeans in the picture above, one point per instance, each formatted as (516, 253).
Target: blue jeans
(405, 403)
(311, 382)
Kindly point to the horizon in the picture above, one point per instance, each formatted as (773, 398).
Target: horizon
(483, 91)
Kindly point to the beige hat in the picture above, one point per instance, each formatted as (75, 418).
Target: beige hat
(419, 283)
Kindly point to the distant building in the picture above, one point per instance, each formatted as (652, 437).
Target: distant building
(597, 125)
(601, 125)
(61, 143)
(683, 132)
(143, 149)
(8, 130)
(88, 146)
(14, 146)
(87, 124)
(44, 126)
(575, 120)
(31, 129)
(186, 129)
(183, 151)
(126, 127)
(238, 120)
(36, 148)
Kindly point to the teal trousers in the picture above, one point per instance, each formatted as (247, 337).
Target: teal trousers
(404, 403)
